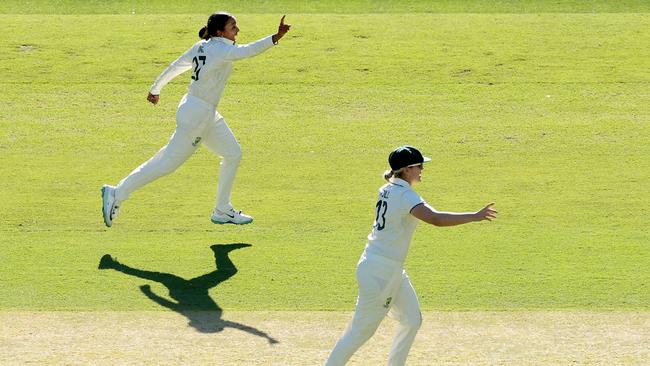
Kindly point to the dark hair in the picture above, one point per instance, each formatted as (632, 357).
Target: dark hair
(216, 22)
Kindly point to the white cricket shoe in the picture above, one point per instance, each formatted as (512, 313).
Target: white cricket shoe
(230, 217)
(110, 209)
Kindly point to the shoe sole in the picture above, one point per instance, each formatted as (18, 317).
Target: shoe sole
(105, 215)
(229, 222)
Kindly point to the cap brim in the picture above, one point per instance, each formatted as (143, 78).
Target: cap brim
(426, 159)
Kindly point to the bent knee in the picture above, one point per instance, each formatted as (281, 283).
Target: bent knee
(234, 154)
(413, 322)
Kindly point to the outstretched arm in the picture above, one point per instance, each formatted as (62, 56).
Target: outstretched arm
(429, 215)
(253, 49)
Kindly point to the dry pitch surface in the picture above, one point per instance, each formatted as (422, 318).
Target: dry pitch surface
(305, 338)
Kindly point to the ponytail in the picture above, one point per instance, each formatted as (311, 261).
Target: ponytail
(398, 174)
(203, 32)
(388, 174)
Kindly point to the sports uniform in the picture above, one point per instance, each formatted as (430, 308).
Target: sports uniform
(384, 286)
(197, 121)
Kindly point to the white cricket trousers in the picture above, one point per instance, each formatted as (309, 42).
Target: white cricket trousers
(196, 122)
(384, 289)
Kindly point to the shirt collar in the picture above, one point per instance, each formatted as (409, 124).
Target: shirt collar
(224, 40)
(400, 182)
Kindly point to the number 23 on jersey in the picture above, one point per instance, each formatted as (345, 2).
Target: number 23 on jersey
(380, 220)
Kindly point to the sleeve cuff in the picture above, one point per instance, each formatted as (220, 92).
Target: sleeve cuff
(416, 205)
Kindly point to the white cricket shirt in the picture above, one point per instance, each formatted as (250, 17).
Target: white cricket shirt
(211, 64)
(394, 225)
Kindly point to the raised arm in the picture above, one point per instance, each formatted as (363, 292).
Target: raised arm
(257, 47)
(282, 30)
(429, 215)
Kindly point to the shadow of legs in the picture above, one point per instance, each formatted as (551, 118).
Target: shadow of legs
(191, 297)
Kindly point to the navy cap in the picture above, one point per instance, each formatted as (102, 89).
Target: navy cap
(405, 156)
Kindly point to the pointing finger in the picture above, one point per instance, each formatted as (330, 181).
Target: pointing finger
(282, 20)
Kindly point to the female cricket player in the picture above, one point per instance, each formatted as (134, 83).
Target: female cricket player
(197, 118)
(384, 286)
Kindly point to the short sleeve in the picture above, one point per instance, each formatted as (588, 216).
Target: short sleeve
(409, 200)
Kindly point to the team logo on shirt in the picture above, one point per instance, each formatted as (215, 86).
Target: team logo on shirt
(200, 50)
(388, 300)
(196, 141)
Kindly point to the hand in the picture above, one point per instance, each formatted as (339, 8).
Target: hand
(282, 30)
(486, 213)
(153, 99)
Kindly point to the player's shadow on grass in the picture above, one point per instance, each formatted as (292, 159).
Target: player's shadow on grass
(191, 296)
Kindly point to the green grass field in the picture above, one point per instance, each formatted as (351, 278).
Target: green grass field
(540, 106)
